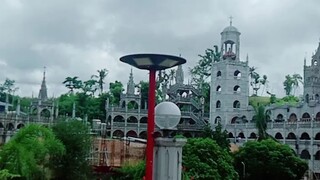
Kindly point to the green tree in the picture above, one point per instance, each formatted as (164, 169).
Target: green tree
(203, 159)
(267, 160)
(102, 74)
(144, 91)
(131, 172)
(220, 136)
(77, 141)
(288, 84)
(261, 122)
(297, 79)
(72, 83)
(90, 86)
(28, 153)
(116, 89)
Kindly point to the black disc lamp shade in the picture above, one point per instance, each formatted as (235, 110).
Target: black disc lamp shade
(152, 61)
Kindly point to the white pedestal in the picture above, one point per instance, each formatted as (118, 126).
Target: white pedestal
(167, 164)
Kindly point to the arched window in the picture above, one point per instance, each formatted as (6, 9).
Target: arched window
(219, 88)
(317, 136)
(234, 120)
(293, 117)
(241, 135)
(305, 154)
(236, 104)
(236, 89)
(279, 118)
(291, 136)
(318, 116)
(237, 74)
(278, 136)
(230, 135)
(317, 97)
(315, 62)
(218, 104)
(253, 136)
(217, 120)
(219, 74)
(306, 117)
(305, 136)
(307, 98)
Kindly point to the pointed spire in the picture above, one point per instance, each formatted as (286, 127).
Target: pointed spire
(43, 90)
(179, 75)
(247, 58)
(130, 85)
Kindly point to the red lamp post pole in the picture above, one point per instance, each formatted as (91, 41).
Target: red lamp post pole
(150, 139)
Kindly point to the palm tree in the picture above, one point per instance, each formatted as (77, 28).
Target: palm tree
(102, 74)
(261, 123)
(264, 81)
(72, 83)
(90, 86)
(297, 79)
(288, 84)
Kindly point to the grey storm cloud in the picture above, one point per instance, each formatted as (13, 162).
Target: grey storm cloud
(78, 37)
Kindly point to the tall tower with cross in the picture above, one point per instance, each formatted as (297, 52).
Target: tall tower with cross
(229, 82)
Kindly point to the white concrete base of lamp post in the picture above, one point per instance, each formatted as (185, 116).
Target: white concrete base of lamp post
(168, 158)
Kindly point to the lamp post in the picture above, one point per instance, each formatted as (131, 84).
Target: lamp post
(151, 62)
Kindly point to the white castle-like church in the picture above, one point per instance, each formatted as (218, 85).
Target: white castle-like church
(296, 125)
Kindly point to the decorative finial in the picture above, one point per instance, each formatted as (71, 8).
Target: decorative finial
(230, 20)
(44, 71)
(305, 59)
(247, 58)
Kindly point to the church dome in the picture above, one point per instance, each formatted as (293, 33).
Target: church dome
(230, 29)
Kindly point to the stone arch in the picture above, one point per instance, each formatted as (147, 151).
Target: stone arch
(291, 135)
(219, 74)
(292, 117)
(143, 135)
(305, 154)
(279, 118)
(10, 127)
(132, 105)
(253, 136)
(315, 62)
(132, 119)
(305, 136)
(307, 98)
(118, 118)
(317, 155)
(144, 120)
(236, 104)
(234, 120)
(237, 74)
(131, 133)
(118, 133)
(237, 88)
(241, 135)
(230, 135)
(218, 104)
(34, 111)
(244, 119)
(218, 89)
(306, 116)
(21, 125)
(217, 120)
(278, 135)
(317, 137)
(318, 116)
(45, 113)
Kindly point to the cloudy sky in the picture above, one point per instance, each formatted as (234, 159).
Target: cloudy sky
(78, 37)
